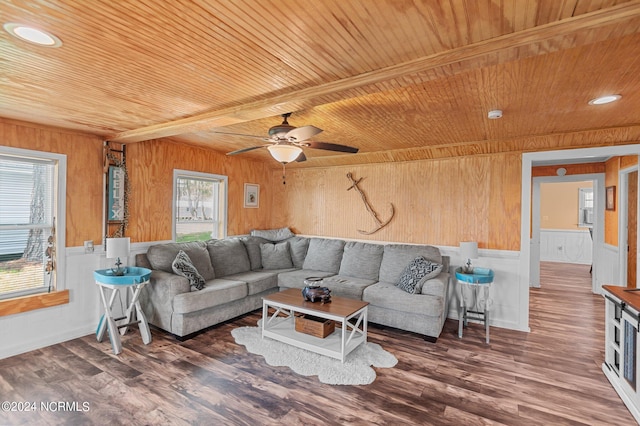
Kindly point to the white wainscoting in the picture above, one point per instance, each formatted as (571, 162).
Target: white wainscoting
(506, 289)
(566, 246)
(43, 327)
(608, 271)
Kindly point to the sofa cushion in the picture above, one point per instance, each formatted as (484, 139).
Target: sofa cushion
(215, 292)
(416, 273)
(361, 260)
(324, 255)
(257, 281)
(273, 234)
(298, 247)
(276, 256)
(344, 286)
(228, 256)
(295, 279)
(389, 296)
(161, 257)
(182, 266)
(397, 256)
(252, 244)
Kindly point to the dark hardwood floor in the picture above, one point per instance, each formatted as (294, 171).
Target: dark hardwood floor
(551, 376)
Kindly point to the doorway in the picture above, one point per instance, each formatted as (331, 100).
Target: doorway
(599, 254)
(564, 244)
(628, 226)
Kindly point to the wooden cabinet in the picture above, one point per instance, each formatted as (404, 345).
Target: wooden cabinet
(622, 346)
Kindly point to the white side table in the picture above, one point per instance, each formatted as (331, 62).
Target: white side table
(134, 279)
(475, 298)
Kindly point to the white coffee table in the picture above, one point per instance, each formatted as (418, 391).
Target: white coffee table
(350, 314)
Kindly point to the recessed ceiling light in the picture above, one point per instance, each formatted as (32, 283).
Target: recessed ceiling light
(604, 99)
(32, 35)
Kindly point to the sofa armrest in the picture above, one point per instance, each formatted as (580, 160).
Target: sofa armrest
(437, 286)
(157, 297)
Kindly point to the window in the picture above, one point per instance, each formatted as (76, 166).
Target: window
(30, 187)
(199, 206)
(585, 207)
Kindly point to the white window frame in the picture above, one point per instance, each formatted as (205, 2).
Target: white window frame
(581, 207)
(60, 209)
(178, 173)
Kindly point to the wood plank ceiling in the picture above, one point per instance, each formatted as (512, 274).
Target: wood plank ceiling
(393, 78)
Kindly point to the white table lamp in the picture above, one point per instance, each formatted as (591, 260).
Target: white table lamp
(468, 251)
(117, 248)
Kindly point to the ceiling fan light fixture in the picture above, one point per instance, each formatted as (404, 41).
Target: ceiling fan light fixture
(284, 153)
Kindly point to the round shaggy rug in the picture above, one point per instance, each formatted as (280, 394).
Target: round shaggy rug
(356, 369)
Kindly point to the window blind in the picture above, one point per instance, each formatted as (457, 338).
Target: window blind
(27, 201)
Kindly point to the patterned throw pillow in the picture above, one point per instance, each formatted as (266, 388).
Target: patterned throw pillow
(182, 266)
(416, 273)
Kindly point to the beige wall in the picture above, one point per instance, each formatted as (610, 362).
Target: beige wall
(559, 205)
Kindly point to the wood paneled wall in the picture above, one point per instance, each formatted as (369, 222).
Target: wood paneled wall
(84, 173)
(441, 202)
(151, 166)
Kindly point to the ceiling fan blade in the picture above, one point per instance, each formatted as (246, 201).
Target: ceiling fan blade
(331, 147)
(303, 133)
(240, 151)
(240, 134)
(301, 158)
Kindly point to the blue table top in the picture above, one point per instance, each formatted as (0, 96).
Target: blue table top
(479, 276)
(133, 275)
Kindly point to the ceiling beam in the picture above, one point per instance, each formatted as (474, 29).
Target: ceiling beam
(344, 88)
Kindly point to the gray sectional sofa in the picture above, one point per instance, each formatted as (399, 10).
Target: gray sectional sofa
(238, 271)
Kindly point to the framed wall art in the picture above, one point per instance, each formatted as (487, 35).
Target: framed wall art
(251, 195)
(611, 197)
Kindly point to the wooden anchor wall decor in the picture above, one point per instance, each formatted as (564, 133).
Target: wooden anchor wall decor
(380, 224)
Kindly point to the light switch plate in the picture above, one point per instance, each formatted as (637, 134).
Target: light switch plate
(88, 246)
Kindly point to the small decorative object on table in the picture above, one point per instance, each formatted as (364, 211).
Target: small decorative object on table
(313, 291)
(315, 326)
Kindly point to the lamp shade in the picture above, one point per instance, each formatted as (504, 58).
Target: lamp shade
(284, 153)
(469, 250)
(118, 247)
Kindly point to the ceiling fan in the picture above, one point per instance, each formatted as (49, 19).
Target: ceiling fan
(285, 142)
